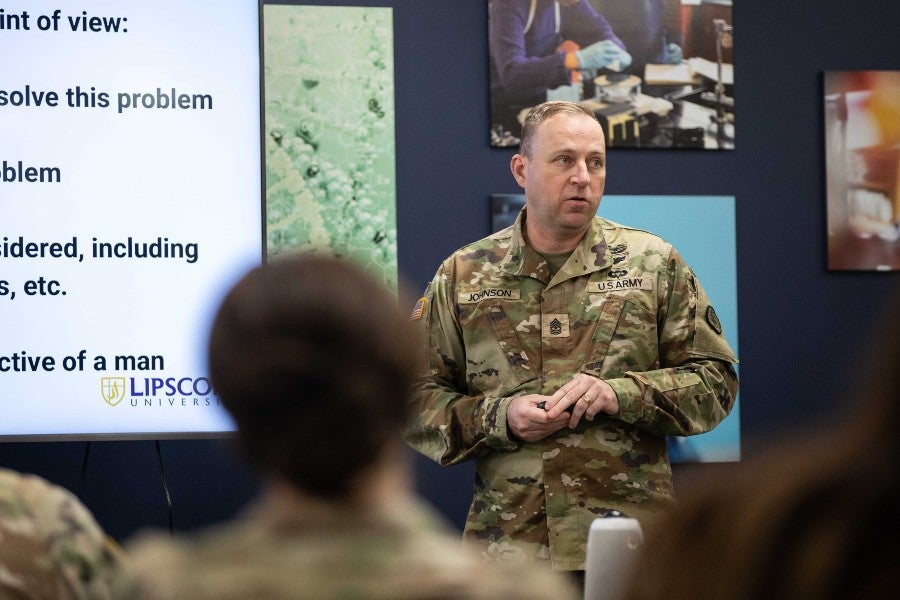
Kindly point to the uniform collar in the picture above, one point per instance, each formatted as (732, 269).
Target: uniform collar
(592, 254)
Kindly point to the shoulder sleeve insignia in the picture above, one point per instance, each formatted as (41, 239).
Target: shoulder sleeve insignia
(418, 309)
(713, 319)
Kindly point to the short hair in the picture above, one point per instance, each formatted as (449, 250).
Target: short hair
(541, 113)
(314, 360)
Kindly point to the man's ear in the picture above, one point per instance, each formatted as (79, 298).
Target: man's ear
(517, 166)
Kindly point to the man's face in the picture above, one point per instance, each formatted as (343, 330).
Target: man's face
(564, 175)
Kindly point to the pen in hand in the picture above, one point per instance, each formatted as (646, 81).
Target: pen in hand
(543, 405)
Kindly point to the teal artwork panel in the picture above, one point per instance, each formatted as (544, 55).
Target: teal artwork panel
(329, 125)
(702, 229)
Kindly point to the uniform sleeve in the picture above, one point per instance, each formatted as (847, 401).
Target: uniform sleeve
(696, 385)
(449, 426)
(50, 544)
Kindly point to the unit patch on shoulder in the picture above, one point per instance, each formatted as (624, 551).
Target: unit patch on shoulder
(713, 319)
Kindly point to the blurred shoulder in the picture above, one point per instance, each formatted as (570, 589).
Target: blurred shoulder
(52, 547)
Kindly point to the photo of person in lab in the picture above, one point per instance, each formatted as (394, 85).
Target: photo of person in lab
(657, 73)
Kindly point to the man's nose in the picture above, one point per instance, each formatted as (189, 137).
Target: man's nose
(580, 173)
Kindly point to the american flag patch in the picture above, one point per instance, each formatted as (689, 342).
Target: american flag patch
(418, 309)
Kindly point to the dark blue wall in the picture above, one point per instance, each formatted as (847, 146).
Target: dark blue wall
(801, 326)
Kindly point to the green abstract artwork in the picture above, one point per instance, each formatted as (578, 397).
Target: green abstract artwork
(329, 134)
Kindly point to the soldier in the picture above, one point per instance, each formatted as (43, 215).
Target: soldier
(561, 351)
(313, 359)
(51, 548)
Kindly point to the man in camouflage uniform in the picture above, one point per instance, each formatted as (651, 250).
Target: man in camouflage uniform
(561, 352)
(313, 360)
(51, 548)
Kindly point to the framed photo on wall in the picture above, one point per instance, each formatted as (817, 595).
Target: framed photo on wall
(862, 165)
(656, 73)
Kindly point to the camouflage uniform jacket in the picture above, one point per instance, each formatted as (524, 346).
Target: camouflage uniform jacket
(624, 308)
(51, 548)
(290, 547)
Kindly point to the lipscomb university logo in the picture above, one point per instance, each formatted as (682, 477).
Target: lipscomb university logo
(112, 389)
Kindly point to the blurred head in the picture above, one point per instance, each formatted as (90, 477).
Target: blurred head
(804, 516)
(562, 168)
(313, 359)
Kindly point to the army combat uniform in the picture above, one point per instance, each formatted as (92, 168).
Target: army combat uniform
(624, 308)
(50, 545)
(292, 547)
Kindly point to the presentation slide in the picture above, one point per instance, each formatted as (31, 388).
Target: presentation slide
(130, 199)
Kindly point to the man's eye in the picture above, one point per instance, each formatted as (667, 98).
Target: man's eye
(596, 164)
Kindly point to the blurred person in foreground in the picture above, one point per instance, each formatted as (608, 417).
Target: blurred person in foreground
(560, 353)
(312, 357)
(51, 547)
(811, 516)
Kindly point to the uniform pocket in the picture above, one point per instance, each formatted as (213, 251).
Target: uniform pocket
(496, 361)
(626, 338)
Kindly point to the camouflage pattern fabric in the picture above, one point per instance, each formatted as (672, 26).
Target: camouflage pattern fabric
(625, 308)
(50, 545)
(289, 548)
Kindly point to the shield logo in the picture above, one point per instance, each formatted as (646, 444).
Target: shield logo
(112, 389)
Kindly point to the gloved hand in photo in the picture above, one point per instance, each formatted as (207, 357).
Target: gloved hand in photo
(603, 54)
(673, 54)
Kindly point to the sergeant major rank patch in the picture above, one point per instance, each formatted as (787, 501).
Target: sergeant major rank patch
(555, 325)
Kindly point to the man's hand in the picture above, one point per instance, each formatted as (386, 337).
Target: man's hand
(528, 422)
(586, 395)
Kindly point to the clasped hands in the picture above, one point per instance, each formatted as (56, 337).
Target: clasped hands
(532, 417)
